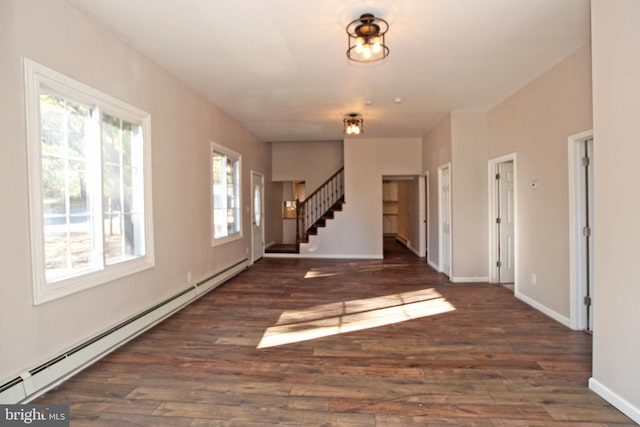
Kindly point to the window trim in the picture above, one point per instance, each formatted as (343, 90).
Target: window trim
(37, 76)
(214, 147)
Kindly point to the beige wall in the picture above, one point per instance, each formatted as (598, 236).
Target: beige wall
(357, 231)
(409, 213)
(182, 124)
(535, 123)
(436, 151)
(469, 196)
(311, 162)
(404, 200)
(616, 110)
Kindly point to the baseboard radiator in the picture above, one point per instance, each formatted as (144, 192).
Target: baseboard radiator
(31, 384)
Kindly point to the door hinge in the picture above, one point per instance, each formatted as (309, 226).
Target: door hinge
(586, 232)
(498, 264)
(498, 220)
(587, 300)
(497, 176)
(586, 161)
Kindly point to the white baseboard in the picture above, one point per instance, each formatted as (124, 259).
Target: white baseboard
(544, 309)
(433, 265)
(483, 279)
(30, 384)
(616, 400)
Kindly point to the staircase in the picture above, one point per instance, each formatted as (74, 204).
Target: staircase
(319, 207)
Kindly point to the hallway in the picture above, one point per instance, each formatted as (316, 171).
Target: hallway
(346, 342)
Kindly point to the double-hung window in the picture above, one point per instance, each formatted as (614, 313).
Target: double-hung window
(225, 185)
(89, 185)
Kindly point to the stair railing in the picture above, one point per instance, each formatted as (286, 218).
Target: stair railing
(311, 209)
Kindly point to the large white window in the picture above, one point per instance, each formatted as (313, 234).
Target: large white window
(225, 186)
(89, 185)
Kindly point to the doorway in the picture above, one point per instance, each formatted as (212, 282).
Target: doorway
(257, 216)
(444, 218)
(502, 221)
(581, 202)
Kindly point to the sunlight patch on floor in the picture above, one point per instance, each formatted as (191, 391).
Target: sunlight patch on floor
(348, 316)
(315, 274)
(361, 267)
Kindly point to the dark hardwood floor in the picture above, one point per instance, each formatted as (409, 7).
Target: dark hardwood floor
(347, 343)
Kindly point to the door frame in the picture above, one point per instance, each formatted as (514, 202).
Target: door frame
(257, 175)
(440, 222)
(493, 214)
(424, 226)
(577, 201)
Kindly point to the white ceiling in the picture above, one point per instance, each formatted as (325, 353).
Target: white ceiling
(279, 66)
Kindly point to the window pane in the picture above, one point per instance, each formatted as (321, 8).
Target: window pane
(52, 124)
(233, 213)
(78, 131)
(68, 236)
(257, 206)
(54, 199)
(123, 194)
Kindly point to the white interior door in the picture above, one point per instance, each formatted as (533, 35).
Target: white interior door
(257, 216)
(506, 222)
(444, 177)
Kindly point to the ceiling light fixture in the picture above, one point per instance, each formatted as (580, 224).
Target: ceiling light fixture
(366, 39)
(353, 124)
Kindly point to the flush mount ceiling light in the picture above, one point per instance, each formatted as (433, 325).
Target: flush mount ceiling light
(353, 124)
(366, 39)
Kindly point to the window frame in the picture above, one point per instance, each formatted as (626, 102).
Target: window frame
(37, 77)
(217, 148)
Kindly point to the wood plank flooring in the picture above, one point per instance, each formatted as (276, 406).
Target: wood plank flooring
(346, 343)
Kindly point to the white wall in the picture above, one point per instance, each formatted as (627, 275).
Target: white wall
(535, 123)
(357, 231)
(469, 196)
(409, 212)
(436, 151)
(55, 34)
(311, 162)
(616, 110)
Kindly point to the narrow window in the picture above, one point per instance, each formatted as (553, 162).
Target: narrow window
(225, 173)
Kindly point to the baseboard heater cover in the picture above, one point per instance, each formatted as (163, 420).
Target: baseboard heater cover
(31, 384)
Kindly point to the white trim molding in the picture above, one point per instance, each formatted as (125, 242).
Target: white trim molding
(474, 279)
(615, 399)
(543, 309)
